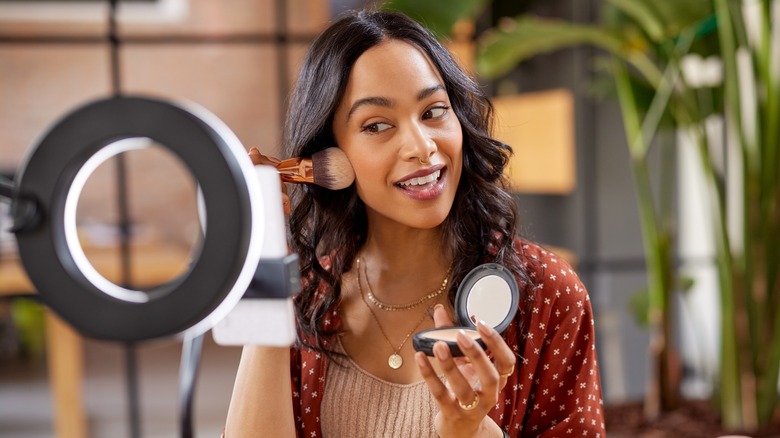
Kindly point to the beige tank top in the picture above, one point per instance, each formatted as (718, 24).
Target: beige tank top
(358, 404)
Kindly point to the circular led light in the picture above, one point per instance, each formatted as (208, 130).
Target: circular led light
(54, 172)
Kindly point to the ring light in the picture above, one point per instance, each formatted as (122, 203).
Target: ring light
(53, 174)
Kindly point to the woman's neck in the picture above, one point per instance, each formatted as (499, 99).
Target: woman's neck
(404, 247)
(402, 265)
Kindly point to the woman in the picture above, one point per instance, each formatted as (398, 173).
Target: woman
(382, 260)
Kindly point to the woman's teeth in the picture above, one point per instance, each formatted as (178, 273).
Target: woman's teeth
(421, 180)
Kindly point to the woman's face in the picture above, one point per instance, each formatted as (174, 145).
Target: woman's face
(396, 125)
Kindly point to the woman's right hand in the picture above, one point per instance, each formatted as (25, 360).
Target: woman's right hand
(260, 159)
(473, 382)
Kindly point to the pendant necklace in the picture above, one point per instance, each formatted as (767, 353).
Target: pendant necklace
(395, 360)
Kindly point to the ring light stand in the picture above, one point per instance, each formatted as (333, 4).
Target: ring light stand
(243, 245)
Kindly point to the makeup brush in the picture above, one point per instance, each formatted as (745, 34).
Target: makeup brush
(329, 168)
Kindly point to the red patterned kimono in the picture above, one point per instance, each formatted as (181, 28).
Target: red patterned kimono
(555, 390)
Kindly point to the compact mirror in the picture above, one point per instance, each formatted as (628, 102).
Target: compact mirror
(489, 293)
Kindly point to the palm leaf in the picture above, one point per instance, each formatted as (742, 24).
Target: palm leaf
(646, 16)
(501, 50)
(678, 15)
(439, 16)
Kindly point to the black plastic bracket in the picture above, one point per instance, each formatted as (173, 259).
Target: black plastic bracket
(275, 278)
(25, 210)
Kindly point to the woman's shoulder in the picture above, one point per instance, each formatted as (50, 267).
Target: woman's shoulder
(536, 257)
(551, 275)
(537, 251)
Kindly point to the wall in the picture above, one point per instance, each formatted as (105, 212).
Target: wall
(237, 59)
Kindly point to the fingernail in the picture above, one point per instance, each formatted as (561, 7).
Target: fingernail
(441, 350)
(420, 358)
(464, 340)
(485, 329)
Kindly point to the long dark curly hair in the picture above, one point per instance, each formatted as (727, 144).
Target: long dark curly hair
(331, 225)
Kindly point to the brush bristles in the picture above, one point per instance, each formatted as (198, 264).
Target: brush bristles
(332, 169)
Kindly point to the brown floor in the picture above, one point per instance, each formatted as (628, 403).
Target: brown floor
(26, 407)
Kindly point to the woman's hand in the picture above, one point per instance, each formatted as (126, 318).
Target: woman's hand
(473, 381)
(258, 159)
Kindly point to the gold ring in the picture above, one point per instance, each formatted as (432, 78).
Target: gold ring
(471, 405)
(423, 161)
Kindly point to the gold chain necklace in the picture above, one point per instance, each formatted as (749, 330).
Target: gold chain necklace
(396, 307)
(395, 360)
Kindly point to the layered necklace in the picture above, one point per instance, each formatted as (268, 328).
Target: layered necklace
(396, 307)
(395, 360)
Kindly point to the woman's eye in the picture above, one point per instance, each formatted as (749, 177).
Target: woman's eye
(375, 128)
(435, 112)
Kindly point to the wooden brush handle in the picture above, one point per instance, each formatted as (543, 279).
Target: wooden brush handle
(295, 170)
(298, 170)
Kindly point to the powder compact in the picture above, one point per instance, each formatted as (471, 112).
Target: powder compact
(489, 293)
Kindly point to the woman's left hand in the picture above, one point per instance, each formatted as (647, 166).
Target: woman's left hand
(473, 381)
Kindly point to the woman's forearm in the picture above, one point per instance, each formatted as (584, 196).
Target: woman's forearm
(262, 394)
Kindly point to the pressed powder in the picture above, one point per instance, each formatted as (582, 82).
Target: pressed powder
(450, 334)
(488, 293)
(425, 340)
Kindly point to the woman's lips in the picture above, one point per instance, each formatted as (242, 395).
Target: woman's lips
(420, 173)
(411, 183)
(424, 185)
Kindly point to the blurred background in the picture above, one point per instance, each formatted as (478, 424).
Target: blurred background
(572, 178)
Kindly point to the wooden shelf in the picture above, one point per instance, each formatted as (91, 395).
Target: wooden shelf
(540, 128)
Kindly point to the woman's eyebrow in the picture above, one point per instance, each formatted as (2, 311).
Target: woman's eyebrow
(429, 91)
(385, 102)
(379, 101)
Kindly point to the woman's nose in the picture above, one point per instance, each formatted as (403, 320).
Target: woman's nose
(419, 146)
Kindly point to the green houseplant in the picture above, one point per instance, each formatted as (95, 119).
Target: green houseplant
(646, 43)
